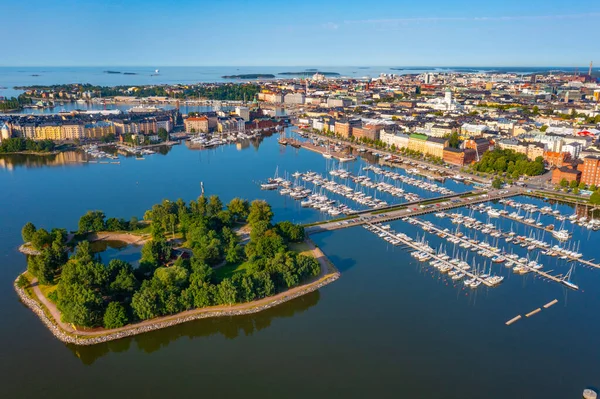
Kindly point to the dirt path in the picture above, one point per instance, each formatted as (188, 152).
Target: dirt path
(318, 254)
(124, 237)
(50, 306)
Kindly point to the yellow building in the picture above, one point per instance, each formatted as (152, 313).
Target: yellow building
(98, 129)
(417, 142)
(72, 131)
(48, 132)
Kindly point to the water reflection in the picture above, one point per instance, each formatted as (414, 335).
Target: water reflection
(229, 327)
(36, 161)
(108, 250)
(71, 158)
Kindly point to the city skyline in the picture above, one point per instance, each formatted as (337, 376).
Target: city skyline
(266, 33)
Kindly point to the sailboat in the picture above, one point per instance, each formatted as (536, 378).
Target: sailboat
(566, 280)
(328, 153)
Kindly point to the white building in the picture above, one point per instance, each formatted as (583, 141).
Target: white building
(552, 143)
(294, 98)
(397, 139)
(243, 112)
(4, 132)
(165, 124)
(573, 148)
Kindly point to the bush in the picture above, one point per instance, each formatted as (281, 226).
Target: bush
(22, 281)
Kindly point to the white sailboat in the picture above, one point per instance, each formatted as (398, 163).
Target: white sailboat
(566, 280)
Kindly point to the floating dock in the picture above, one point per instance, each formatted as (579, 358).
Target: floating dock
(535, 311)
(546, 306)
(508, 323)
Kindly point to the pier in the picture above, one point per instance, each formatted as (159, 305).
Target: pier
(556, 279)
(340, 156)
(571, 258)
(415, 208)
(435, 256)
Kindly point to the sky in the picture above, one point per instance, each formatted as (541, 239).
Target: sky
(297, 33)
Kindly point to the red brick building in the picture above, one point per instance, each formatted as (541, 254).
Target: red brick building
(455, 156)
(367, 131)
(480, 145)
(590, 170)
(558, 159)
(565, 172)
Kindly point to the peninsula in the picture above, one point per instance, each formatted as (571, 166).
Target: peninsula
(198, 260)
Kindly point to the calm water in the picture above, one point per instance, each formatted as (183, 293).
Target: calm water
(389, 327)
(28, 76)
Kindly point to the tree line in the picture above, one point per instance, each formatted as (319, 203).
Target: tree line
(18, 144)
(13, 103)
(509, 161)
(90, 294)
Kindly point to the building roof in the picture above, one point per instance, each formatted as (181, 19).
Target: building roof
(418, 136)
(438, 140)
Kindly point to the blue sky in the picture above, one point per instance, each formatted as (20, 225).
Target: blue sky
(308, 32)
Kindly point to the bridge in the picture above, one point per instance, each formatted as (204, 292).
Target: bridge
(414, 208)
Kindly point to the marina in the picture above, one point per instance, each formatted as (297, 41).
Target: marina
(378, 277)
(455, 267)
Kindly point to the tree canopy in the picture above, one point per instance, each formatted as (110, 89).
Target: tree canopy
(90, 294)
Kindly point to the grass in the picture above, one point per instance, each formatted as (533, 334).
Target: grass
(329, 221)
(228, 271)
(301, 247)
(561, 196)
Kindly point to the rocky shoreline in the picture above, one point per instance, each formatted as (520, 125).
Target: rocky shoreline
(72, 339)
(28, 251)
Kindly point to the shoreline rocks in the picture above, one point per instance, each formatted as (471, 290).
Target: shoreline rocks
(28, 251)
(73, 339)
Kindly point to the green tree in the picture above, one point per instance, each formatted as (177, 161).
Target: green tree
(238, 208)
(573, 184)
(163, 134)
(564, 182)
(28, 231)
(115, 315)
(595, 197)
(227, 292)
(41, 238)
(497, 183)
(259, 211)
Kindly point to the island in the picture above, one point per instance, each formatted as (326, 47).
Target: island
(198, 260)
(250, 76)
(413, 69)
(307, 72)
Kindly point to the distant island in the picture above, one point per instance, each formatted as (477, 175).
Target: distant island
(309, 72)
(119, 72)
(413, 68)
(250, 76)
